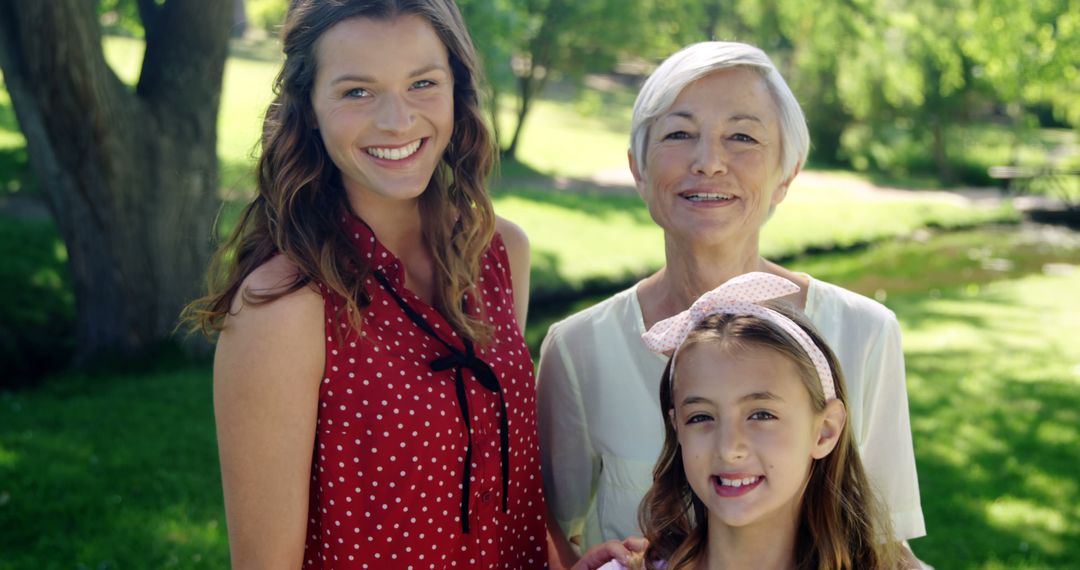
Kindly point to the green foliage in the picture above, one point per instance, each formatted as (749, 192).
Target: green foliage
(38, 309)
(1028, 51)
(120, 17)
(267, 15)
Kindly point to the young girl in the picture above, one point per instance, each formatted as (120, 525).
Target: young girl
(758, 468)
(373, 392)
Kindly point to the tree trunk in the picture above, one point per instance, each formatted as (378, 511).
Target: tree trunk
(493, 110)
(941, 154)
(130, 177)
(526, 88)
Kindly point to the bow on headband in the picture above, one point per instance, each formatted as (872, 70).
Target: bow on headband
(740, 296)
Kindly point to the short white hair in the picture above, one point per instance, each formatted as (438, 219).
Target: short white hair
(698, 60)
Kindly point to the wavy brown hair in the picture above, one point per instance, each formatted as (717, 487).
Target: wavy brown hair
(841, 524)
(300, 199)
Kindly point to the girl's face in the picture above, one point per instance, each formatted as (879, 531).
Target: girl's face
(384, 102)
(748, 433)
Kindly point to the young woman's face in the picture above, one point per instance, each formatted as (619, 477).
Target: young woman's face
(747, 431)
(712, 161)
(384, 102)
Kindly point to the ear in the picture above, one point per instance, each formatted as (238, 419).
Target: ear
(781, 190)
(639, 180)
(832, 425)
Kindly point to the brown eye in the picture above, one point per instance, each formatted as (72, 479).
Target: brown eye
(697, 418)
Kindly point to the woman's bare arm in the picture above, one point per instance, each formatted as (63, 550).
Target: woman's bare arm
(267, 371)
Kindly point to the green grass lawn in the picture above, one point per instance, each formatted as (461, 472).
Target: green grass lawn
(119, 469)
(994, 383)
(111, 471)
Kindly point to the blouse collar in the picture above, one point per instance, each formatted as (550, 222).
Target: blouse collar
(372, 250)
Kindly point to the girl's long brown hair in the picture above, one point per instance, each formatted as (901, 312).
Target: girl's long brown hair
(300, 200)
(841, 524)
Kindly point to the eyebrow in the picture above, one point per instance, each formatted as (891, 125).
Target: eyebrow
(754, 396)
(732, 119)
(751, 397)
(744, 117)
(368, 79)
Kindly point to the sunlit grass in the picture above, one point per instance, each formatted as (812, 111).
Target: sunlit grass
(994, 400)
(559, 141)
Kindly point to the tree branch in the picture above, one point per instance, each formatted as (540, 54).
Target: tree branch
(148, 14)
(58, 79)
(185, 59)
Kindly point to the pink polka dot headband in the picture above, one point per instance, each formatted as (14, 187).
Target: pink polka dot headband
(740, 296)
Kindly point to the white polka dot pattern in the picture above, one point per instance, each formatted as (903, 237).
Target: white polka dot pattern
(738, 297)
(390, 442)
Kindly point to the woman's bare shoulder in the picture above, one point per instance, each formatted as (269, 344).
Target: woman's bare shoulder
(275, 276)
(513, 236)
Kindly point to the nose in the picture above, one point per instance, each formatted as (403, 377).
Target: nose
(731, 444)
(395, 114)
(709, 157)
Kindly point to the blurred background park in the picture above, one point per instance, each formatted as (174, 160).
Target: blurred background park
(944, 182)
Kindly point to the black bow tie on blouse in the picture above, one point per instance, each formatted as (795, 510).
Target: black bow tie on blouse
(459, 360)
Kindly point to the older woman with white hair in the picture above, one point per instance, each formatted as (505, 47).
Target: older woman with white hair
(717, 138)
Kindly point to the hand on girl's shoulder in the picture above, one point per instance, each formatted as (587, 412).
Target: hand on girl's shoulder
(606, 555)
(635, 563)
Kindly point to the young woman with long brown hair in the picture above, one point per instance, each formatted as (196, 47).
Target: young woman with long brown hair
(759, 468)
(373, 393)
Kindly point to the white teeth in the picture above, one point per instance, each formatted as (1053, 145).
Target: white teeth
(703, 196)
(394, 153)
(737, 482)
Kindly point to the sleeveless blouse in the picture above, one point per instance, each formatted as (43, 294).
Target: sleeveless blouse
(389, 462)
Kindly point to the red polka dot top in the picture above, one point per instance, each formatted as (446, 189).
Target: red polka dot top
(390, 484)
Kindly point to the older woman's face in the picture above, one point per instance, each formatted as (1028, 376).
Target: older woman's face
(712, 161)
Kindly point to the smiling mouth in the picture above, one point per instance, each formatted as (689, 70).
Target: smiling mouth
(735, 487)
(395, 153)
(698, 196)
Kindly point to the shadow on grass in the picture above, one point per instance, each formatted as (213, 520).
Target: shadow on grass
(112, 471)
(995, 419)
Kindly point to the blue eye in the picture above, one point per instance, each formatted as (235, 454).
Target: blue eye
(740, 137)
(423, 83)
(356, 93)
(677, 135)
